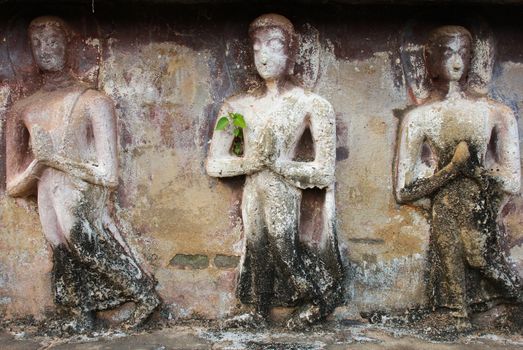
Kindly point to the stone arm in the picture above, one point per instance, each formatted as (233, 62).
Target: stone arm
(408, 187)
(320, 172)
(20, 181)
(220, 161)
(104, 172)
(505, 168)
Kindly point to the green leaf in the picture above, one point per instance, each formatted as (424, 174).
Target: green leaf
(223, 122)
(238, 120)
(237, 131)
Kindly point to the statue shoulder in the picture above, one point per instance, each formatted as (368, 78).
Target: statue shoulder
(92, 99)
(500, 109)
(316, 102)
(418, 114)
(497, 111)
(24, 104)
(93, 94)
(418, 119)
(20, 105)
(238, 102)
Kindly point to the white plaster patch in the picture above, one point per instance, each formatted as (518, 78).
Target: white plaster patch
(374, 285)
(5, 300)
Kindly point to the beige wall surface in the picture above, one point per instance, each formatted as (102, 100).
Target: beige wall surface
(168, 69)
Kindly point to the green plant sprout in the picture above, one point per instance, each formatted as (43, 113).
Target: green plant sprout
(237, 122)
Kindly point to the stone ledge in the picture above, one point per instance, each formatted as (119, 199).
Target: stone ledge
(189, 261)
(226, 261)
(358, 336)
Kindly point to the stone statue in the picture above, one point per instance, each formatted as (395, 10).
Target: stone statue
(462, 153)
(61, 144)
(277, 268)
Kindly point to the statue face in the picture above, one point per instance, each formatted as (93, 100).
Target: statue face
(271, 55)
(451, 58)
(48, 44)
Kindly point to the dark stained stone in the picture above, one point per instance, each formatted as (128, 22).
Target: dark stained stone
(189, 261)
(226, 261)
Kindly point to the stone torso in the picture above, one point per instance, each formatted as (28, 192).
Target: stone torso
(61, 114)
(448, 122)
(285, 117)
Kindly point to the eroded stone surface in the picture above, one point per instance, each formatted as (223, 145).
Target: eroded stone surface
(190, 261)
(168, 68)
(461, 152)
(281, 265)
(61, 145)
(209, 337)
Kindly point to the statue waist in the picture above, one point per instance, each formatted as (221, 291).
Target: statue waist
(267, 177)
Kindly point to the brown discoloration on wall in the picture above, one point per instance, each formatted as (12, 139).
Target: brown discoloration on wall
(168, 68)
(24, 255)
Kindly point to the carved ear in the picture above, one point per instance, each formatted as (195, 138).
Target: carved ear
(482, 60)
(291, 64)
(18, 53)
(426, 59)
(414, 62)
(307, 62)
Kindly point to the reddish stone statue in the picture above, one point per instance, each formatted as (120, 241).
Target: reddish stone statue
(62, 144)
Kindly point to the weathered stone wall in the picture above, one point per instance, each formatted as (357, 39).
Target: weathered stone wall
(168, 69)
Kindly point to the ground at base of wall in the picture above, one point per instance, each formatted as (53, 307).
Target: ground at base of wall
(329, 336)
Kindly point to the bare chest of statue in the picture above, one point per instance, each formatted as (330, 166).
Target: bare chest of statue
(51, 110)
(285, 117)
(447, 123)
(60, 113)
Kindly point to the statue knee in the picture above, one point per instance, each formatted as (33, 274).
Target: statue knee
(476, 261)
(474, 248)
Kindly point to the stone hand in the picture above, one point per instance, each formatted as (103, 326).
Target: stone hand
(461, 155)
(41, 144)
(267, 147)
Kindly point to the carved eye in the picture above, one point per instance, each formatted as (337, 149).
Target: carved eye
(276, 44)
(36, 43)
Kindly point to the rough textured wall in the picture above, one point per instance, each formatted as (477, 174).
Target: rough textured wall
(168, 69)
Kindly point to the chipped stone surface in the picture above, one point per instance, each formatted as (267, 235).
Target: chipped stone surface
(61, 147)
(226, 261)
(462, 153)
(358, 336)
(190, 261)
(279, 266)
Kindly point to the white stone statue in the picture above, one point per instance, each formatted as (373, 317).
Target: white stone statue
(462, 153)
(277, 268)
